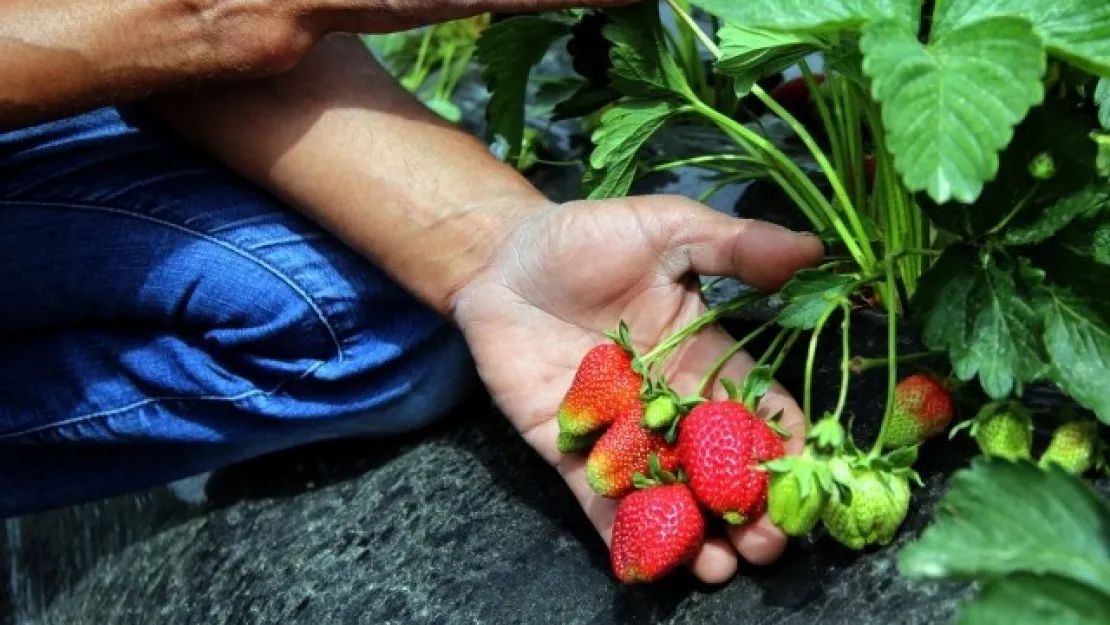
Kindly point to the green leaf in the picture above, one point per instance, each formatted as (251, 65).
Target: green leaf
(811, 294)
(949, 107)
(811, 16)
(623, 131)
(1102, 100)
(748, 54)
(1077, 325)
(1077, 31)
(1023, 598)
(507, 52)
(1088, 237)
(642, 65)
(1040, 225)
(975, 305)
(1058, 129)
(1001, 518)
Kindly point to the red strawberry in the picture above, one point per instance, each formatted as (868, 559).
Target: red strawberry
(922, 409)
(656, 530)
(623, 450)
(603, 388)
(794, 94)
(720, 444)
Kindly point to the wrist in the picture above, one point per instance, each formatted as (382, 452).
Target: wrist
(480, 238)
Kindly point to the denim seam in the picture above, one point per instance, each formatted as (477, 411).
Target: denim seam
(155, 400)
(224, 244)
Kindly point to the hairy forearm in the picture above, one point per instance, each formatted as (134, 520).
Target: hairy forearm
(59, 57)
(338, 138)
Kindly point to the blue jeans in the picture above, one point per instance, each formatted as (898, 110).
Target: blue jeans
(160, 318)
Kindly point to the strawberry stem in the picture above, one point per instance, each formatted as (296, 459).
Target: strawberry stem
(892, 354)
(811, 359)
(860, 364)
(845, 361)
(713, 315)
(720, 363)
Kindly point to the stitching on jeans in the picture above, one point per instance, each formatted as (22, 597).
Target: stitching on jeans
(224, 244)
(154, 400)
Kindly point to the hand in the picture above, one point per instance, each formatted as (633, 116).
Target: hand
(568, 274)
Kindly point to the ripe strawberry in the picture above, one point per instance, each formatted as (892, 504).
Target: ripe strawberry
(1072, 447)
(794, 94)
(1005, 434)
(656, 530)
(603, 388)
(623, 451)
(720, 445)
(878, 505)
(922, 409)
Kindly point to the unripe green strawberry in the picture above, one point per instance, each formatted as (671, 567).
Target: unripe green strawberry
(720, 446)
(603, 388)
(1072, 447)
(878, 505)
(922, 409)
(795, 501)
(655, 531)
(623, 451)
(1006, 433)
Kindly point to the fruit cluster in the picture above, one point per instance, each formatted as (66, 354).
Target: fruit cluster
(669, 461)
(673, 462)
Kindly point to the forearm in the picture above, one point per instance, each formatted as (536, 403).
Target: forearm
(338, 138)
(59, 57)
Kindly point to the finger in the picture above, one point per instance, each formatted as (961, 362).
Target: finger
(716, 562)
(699, 239)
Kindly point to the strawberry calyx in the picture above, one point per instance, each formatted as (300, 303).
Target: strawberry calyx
(657, 475)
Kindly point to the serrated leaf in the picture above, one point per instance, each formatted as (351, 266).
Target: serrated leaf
(811, 16)
(976, 307)
(1039, 226)
(623, 131)
(1000, 517)
(749, 54)
(1088, 237)
(1076, 313)
(1102, 100)
(1059, 130)
(811, 294)
(642, 65)
(508, 51)
(950, 107)
(1023, 598)
(1075, 30)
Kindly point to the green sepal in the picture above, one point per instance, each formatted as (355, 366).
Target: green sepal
(731, 389)
(621, 336)
(827, 435)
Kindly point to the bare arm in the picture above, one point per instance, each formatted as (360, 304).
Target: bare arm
(338, 137)
(60, 57)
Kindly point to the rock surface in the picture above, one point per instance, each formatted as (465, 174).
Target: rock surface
(461, 524)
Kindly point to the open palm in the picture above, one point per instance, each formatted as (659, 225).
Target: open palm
(576, 270)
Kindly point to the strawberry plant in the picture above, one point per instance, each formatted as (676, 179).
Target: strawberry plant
(955, 156)
(432, 61)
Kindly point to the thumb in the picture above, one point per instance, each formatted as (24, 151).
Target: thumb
(701, 240)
